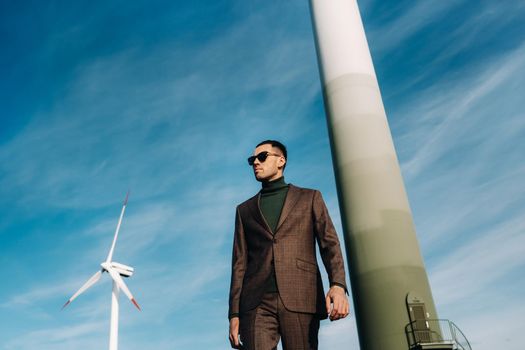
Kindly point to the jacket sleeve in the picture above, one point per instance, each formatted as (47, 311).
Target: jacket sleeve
(238, 266)
(328, 242)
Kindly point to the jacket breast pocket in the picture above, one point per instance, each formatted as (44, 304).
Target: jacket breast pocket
(306, 266)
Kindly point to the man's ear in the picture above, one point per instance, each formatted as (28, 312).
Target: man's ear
(282, 162)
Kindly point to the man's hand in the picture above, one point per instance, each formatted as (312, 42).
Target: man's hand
(336, 303)
(234, 333)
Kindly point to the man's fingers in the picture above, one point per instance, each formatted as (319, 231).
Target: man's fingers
(328, 304)
(336, 304)
(340, 309)
(234, 341)
(334, 313)
(340, 306)
(234, 333)
(343, 307)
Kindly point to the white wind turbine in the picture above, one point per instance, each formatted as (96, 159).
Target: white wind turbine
(115, 270)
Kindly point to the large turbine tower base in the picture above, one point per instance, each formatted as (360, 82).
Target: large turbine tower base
(383, 254)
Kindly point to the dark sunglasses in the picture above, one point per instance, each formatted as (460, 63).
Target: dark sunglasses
(261, 157)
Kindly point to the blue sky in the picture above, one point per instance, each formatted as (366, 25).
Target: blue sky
(167, 99)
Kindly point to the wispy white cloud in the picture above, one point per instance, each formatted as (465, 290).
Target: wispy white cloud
(470, 268)
(94, 140)
(465, 206)
(417, 16)
(61, 338)
(36, 295)
(447, 105)
(495, 328)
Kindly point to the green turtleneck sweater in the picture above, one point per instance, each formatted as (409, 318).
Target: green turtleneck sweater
(273, 194)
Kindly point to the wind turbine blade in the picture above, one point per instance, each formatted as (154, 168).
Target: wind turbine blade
(110, 255)
(94, 279)
(120, 282)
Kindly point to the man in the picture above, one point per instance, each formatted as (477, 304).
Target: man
(276, 289)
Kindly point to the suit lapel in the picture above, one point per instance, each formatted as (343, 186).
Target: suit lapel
(257, 214)
(291, 199)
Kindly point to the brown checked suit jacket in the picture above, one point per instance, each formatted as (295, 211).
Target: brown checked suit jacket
(304, 220)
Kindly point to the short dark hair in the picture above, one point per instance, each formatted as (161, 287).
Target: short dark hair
(276, 144)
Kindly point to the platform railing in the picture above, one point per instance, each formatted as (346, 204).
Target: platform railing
(431, 331)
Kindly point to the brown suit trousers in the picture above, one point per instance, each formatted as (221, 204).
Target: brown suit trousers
(263, 327)
(304, 221)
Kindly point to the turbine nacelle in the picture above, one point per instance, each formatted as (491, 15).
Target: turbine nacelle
(123, 270)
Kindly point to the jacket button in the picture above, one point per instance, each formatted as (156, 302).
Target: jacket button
(275, 240)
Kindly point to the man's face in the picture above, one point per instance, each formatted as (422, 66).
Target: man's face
(272, 167)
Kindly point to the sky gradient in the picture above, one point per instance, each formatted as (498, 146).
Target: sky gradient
(168, 98)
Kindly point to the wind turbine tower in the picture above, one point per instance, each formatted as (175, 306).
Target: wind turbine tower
(116, 271)
(393, 300)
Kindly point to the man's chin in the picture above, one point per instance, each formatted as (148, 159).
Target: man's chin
(259, 178)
